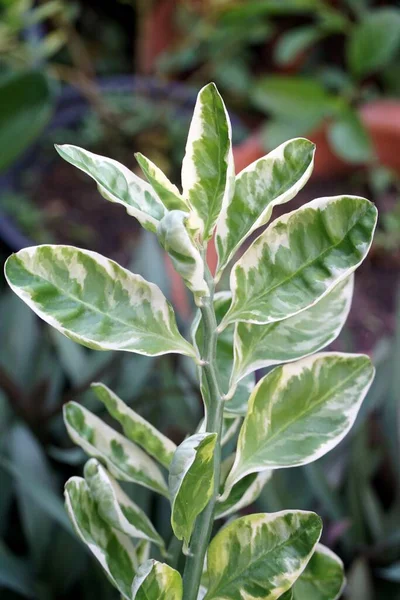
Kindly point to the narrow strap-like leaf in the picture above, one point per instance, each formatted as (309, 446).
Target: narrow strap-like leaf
(115, 507)
(114, 550)
(274, 179)
(118, 184)
(166, 191)
(300, 411)
(261, 555)
(123, 459)
(157, 581)
(207, 168)
(191, 482)
(136, 428)
(94, 301)
(300, 258)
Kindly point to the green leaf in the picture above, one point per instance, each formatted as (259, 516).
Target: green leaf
(168, 193)
(349, 138)
(300, 411)
(135, 427)
(207, 168)
(243, 493)
(157, 581)
(272, 180)
(300, 258)
(94, 301)
(114, 550)
(260, 346)
(115, 507)
(374, 41)
(323, 577)
(261, 555)
(295, 41)
(299, 98)
(24, 111)
(186, 258)
(118, 184)
(123, 459)
(191, 482)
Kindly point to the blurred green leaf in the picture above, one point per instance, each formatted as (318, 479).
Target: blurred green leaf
(391, 573)
(295, 41)
(359, 584)
(15, 574)
(25, 108)
(350, 139)
(374, 41)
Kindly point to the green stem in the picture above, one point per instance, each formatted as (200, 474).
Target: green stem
(204, 523)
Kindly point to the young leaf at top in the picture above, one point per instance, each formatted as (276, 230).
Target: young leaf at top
(118, 184)
(300, 411)
(136, 428)
(207, 169)
(260, 346)
(166, 191)
(115, 507)
(274, 179)
(94, 301)
(300, 258)
(191, 482)
(261, 555)
(156, 581)
(322, 579)
(123, 459)
(186, 258)
(114, 550)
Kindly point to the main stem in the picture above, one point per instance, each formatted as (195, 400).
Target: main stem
(204, 523)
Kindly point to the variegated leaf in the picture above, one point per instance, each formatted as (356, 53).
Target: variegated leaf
(191, 482)
(272, 180)
(300, 258)
(186, 258)
(94, 301)
(323, 577)
(244, 492)
(168, 193)
(142, 549)
(115, 507)
(237, 406)
(230, 426)
(123, 459)
(135, 427)
(118, 184)
(261, 555)
(207, 169)
(300, 411)
(157, 581)
(287, 595)
(260, 346)
(114, 550)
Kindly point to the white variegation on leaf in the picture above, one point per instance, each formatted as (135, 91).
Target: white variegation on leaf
(208, 175)
(115, 507)
(94, 301)
(261, 346)
(135, 427)
(114, 550)
(142, 549)
(244, 492)
(272, 180)
(230, 427)
(191, 482)
(300, 411)
(123, 458)
(168, 193)
(118, 184)
(300, 258)
(261, 555)
(186, 258)
(157, 581)
(322, 579)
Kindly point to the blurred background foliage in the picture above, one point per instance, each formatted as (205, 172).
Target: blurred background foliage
(118, 77)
